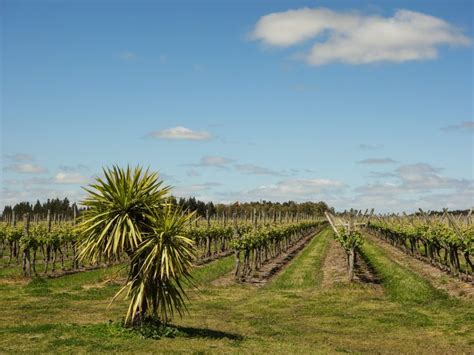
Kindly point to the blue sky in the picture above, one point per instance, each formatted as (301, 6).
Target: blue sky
(360, 104)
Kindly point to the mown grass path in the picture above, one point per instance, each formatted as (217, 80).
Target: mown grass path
(293, 315)
(435, 276)
(402, 284)
(305, 270)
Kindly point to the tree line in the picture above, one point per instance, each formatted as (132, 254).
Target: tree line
(245, 208)
(65, 208)
(55, 206)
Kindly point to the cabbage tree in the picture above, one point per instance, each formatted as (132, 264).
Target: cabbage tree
(129, 212)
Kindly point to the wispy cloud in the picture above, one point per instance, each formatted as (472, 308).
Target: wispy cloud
(212, 161)
(19, 157)
(180, 133)
(377, 161)
(413, 186)
(127, 56)
(378, 174)
(419, 177)
(28, 193)
(422, 176)
(193, 173)
(73, 168)
(196, 190)
(69, 178)
(60, 178)
(466, 126)
(355, 38)
(168, 178)
(297, 189)
(251, 169)
(26, 168)
(370, 146)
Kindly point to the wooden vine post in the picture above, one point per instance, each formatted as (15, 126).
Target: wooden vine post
(26, 245)
(351, 256)
(349, 238)
(208, 238)
(75, 262)
(47, 255)
(237, 250)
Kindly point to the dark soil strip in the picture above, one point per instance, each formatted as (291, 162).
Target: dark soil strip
(335, 266)
(365, 272)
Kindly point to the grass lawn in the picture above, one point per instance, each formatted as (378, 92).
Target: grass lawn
(291, 314)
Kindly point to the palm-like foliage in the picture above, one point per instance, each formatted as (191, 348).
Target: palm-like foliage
(120, 209)
(129, 212)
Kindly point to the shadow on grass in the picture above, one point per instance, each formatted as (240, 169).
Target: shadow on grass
(365, 270)
(154, 329)
(116, 329)
(192, 332)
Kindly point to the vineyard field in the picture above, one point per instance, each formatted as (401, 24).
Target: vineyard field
(297, 311)
(237, 177)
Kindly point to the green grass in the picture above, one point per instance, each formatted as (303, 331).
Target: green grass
(402, 284)
(205, 274)
(291, 315)
(305, 271)
(14, 269)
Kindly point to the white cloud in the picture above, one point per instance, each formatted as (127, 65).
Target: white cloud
(294, 26)
(377, 161)
(26, 168)
(287, 190)
(414, 186)
(423, 176)
(297, 189)
(61, 178)
(384, 203)
(467, 126)
(461, 200)
(69, 178)
(419, 177)
(180, 133)
(354, 38)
